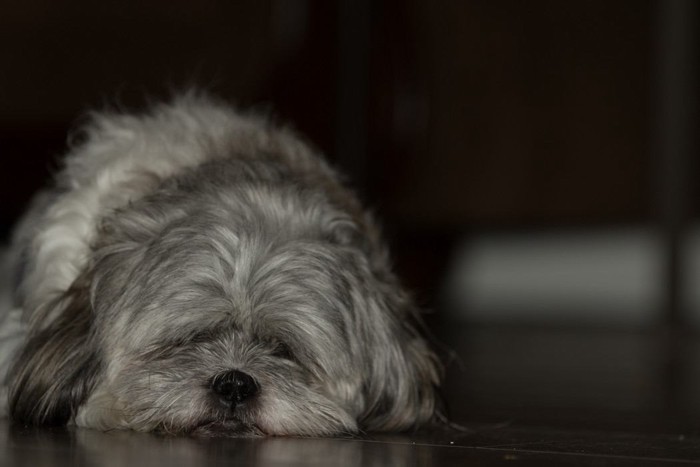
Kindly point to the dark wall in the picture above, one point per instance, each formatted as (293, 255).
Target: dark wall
(473, 114)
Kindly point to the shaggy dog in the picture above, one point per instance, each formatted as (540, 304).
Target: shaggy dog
(199, 270)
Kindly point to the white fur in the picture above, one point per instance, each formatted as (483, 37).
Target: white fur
(123, 158)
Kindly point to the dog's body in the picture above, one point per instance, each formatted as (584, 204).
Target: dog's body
(196, 270)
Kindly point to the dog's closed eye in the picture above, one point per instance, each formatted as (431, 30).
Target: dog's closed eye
(198, 337)
(283, 351)
(170, 347)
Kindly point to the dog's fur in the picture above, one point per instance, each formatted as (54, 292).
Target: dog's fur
(194, 240)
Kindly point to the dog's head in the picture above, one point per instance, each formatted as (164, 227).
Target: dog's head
(254, 309)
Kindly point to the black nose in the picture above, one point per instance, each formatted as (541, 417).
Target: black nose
(234, 387)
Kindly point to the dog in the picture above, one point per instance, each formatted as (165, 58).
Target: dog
(200, 270)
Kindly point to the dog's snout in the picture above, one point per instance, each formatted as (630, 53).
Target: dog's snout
(234, 387)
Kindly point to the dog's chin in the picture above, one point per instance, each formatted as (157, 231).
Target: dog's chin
(239, 423)
(225, 428)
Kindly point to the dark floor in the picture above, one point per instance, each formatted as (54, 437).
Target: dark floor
(525, 396)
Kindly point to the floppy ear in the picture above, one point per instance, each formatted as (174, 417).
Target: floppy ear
(401, 392)
(58, 366)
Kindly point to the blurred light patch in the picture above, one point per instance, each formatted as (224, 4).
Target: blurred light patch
(690, 276)
(561, 277)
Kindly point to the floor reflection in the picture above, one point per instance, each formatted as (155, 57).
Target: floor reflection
(34, 447)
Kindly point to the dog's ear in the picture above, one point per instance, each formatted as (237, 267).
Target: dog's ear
(401, 392)
(58, 365)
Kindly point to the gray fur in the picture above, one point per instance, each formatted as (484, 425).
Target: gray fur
(251, 260)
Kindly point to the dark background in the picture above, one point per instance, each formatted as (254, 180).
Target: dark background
(518, 123)
(450, 117)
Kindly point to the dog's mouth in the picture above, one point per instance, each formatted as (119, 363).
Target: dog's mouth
(225, 428)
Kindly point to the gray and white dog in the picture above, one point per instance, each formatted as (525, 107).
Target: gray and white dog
(199, 270)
